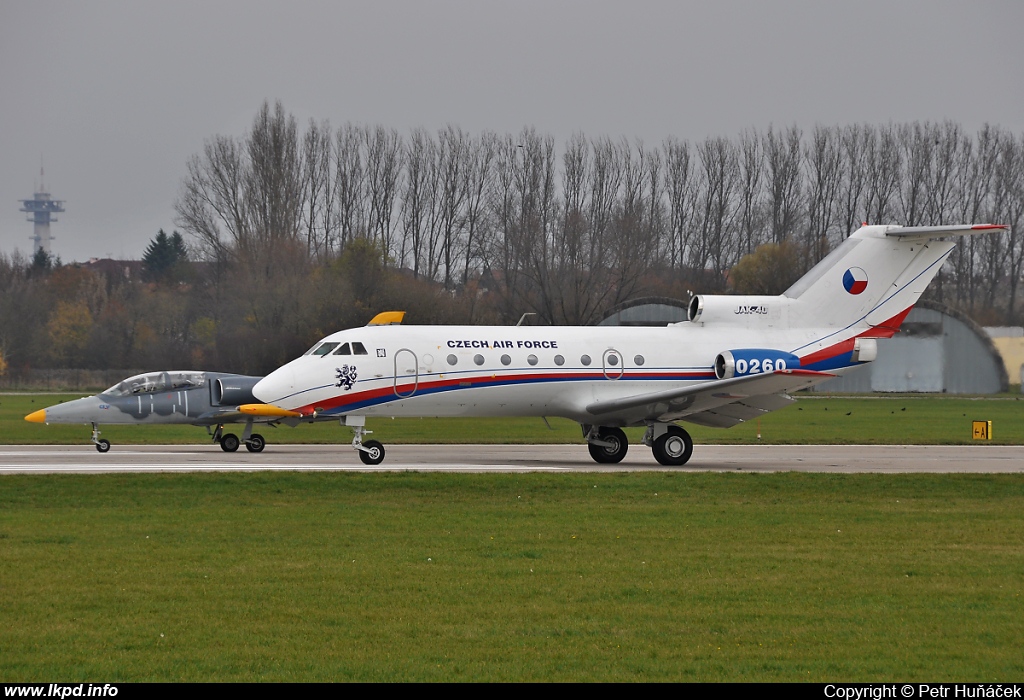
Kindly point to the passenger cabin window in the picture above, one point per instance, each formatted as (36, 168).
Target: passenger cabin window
(358, 349)
(325, 349)
(343, 350)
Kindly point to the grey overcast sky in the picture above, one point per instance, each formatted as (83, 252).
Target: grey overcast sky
(116, 96)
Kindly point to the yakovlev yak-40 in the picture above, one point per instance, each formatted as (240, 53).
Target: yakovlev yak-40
(736, 358)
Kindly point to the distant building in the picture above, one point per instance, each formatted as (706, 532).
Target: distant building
(129, 269)
(1009, 341)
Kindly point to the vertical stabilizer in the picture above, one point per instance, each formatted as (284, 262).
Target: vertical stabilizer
(875, 276)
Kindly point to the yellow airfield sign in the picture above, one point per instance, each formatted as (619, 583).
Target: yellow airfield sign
(982, 430)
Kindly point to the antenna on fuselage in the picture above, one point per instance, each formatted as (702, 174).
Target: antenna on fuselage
(523, 317)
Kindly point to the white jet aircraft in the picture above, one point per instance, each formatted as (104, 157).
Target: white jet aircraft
(735, 358)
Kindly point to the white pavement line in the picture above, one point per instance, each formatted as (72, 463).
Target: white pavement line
(255, 467)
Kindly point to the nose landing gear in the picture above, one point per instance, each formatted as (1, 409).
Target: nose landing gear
(102, 445)
(370, 452)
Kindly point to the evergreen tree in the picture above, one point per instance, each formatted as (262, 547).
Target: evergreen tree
(164, 255)
(42, 261)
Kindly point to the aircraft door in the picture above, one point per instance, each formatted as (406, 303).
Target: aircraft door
(612, 364)
(407, 374)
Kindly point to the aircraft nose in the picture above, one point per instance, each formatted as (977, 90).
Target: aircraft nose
(276, 386)
(78, 411)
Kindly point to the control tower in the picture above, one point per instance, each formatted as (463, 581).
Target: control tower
(41, 210)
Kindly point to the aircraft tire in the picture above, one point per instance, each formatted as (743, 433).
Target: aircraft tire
(674, 448)
(609, 455)
(103, 445)
(373, 454)
(256, 443)
(229, 442)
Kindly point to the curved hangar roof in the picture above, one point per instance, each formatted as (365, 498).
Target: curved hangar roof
(938, 349)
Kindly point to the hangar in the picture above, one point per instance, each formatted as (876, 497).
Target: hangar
(937, 350)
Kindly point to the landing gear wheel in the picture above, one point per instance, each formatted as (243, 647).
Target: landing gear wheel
(229, 442)
(673, 449)
(616, 450)
(373, 454)
(256, 443)
(103, 445)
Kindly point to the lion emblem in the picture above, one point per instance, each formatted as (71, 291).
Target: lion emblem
(346, 376)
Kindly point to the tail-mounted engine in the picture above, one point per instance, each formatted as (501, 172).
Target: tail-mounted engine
(747, 311)
(740, 363)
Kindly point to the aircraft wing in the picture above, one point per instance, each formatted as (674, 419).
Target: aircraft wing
(722, 403)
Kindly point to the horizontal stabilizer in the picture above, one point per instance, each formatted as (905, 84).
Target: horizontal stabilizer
(941, 231)
(265, 410)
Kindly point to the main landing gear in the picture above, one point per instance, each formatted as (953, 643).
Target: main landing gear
(229, 442)
(607, 445)
(672, 446)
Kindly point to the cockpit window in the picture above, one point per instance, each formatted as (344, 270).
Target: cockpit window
(155, 382)
(325, 349)
(310, 351)
(343, 350)
(358, 349)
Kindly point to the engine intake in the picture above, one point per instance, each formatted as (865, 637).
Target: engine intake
(740, 363)
(234, 391)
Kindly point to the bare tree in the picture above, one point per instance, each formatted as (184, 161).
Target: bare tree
(319, 190)
(751, 162)
(883, 173)
(452, 196)
(383, 148)
(274, 189)
(823, 156)
(349, 185)
(782, 153)
(479, 178)
(856, 143)
(917, 147)
(720, 170)
(212, 206)
(680, 191)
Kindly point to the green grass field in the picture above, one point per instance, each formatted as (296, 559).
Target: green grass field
(590, 577)
(427, 577)
(924, 420)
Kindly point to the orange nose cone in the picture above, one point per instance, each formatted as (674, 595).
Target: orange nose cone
(37, 417)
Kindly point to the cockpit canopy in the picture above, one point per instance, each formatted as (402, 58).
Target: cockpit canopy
(156, 382)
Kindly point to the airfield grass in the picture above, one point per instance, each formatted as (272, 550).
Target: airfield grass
(582, 577)
(813, 419)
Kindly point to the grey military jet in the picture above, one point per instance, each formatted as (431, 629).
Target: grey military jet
(210, 399)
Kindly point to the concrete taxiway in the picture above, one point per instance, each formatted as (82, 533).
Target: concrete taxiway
(975, 459)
